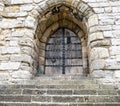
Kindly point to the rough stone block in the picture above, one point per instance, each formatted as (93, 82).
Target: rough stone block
(26, 8)
(98, 64)
(68, 99)
(115, 42)
(21, 1)
(10, 66)
(11, 23)
(108, 9)
(82, 7)
(114, 50)
(10, 50)
(4, 58)
(96, 36)
(37, 1)
(2, 43)
(26, 50)
(1, 6)
(21, 58)
(26, 42)
(13, 43)
(99, 10)
(93, 20)
(84, 92)
(41, 98)
(17, 98)
(117, 74)
(99, 53)
(116, 9)
(100, 43)
(12, 9)
(15, 15)
(98, 74)
(4, 76)
(30, 22)
(108, 34)
(21, 74)
(112, 64)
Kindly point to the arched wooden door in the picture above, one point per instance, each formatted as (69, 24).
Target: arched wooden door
(63, 53)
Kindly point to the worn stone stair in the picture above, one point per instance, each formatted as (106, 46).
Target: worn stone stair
(59, 91)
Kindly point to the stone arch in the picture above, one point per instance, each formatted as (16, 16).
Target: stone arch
(77, 14)
(51, 30)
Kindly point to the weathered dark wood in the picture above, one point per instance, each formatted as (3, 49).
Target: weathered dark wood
(63, 53)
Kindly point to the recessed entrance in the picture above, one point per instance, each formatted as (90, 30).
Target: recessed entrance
(63, 53)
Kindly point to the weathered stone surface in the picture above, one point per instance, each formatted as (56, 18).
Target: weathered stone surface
(99, 10)
(2, 43)
(99, 52)
(11, 23)
(26, 42)
(9, 66)
(98, 74)
(112, 64)
(4, 58)
(114, 50)
(98, 64)
(115, 42)
(12, 9)
(21, 1)
(1, 6)
(93, 20)
(26, 25)
(82, 7)
(13, 43)
(26, 8)
(10, 50)
(21, 58)
(108, 34)
(14, 15)
(117, 74)
(96, 36)
(101, 43)
(30, 22)
(26, 50)
(23, 32)
(21, 74)
(37, 1)
(4, 76)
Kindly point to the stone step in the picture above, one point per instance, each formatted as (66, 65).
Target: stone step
(61, 98)
(60, 86)
(58, 92)
(42, 79)
(71, 82)
(63, 77)
(60, 104)
(70, 92)
(51, 81)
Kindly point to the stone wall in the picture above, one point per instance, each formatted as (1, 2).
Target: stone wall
(25, 26)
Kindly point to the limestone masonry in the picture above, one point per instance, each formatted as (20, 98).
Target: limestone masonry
(26, 25)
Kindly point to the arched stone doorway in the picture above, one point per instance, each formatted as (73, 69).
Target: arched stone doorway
(44, 20)
(62, 16)
(63, 53)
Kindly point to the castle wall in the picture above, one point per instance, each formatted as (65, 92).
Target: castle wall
(20, 45)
